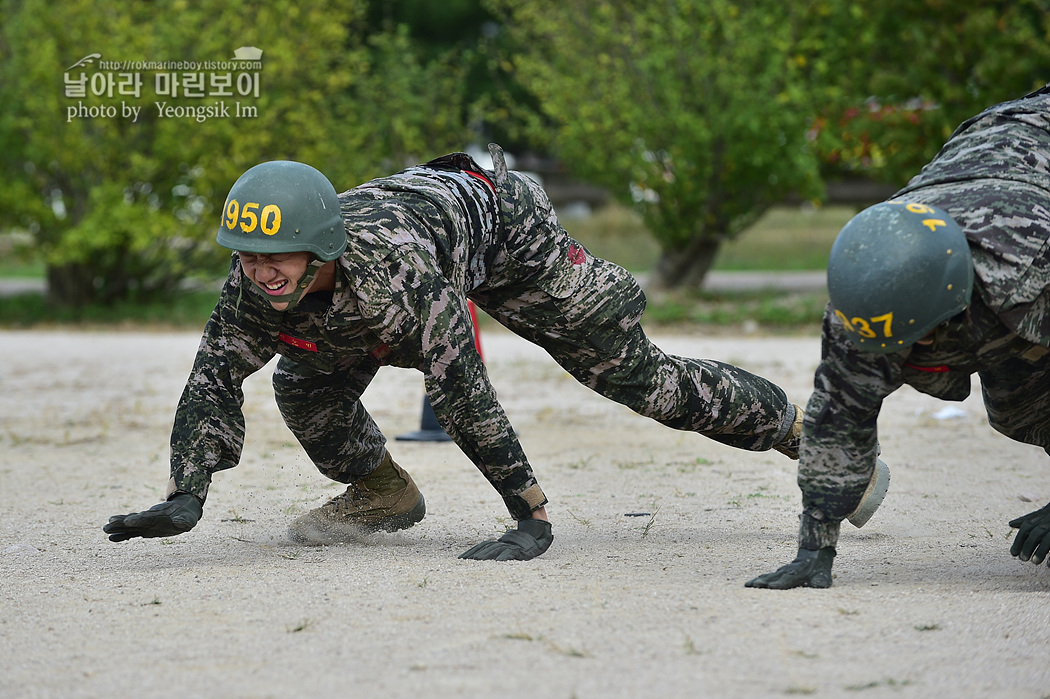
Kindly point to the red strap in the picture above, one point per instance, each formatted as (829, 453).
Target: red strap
(929, 369)
(297, 342)
(483, 179)
(477, 329)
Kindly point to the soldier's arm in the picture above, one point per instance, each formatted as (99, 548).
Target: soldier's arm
(208, 432)
(415, 310)
(209, 426)
(838, 452)
(840, 440)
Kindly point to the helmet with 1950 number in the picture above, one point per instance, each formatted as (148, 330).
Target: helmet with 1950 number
(283, 206)
(896, 271)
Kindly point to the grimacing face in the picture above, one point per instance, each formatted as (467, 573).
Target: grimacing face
(276, 274)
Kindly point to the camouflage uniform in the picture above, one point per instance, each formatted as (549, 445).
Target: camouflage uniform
(421, 243)
(993, 177)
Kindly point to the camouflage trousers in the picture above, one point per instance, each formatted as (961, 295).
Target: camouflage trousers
(1017, 397)
(595, 335)
(599, 342)
(585, 312)
(324, 412)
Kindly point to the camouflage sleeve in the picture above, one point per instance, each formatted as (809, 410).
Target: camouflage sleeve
(412, 307)
(208, 434)
(839, 442)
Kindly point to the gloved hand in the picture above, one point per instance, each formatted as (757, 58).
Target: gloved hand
(809, 569)
(1033, 536)
(178, 515)
(530, 539)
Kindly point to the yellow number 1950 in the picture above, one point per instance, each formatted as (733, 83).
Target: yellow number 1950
(268, 220)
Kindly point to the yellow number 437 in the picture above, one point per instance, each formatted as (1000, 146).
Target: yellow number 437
(863, 326)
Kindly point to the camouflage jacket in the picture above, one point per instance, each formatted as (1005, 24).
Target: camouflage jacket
(419, 242)
(993, 177)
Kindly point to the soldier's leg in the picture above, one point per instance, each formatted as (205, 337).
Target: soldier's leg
(1017, 397)
(585, 312)
(590, 326)
(324, 412)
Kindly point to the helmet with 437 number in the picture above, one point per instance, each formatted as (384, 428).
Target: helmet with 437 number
(283, 206)
(897, 270)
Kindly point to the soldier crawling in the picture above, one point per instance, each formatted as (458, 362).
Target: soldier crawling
(901, 279)
(342, 284)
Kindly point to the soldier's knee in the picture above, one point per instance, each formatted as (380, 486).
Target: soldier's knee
(1016, 427)
(284, 376)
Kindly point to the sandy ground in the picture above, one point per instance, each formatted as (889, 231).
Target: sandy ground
(927, 600)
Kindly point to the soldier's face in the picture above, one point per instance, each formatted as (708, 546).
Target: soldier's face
(276, 274)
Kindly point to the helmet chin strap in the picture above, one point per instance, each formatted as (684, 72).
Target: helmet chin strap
(312, 268)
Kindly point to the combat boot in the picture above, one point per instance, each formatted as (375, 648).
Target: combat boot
(385, 500)
(790, 444)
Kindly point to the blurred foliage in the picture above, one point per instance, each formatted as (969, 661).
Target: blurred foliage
(891, 79)
(703, 113)
(188, 309)
(689, 110)
(785, 238)
(700, 114)
(123, 208)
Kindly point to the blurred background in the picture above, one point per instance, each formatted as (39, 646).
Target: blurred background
(675, 137)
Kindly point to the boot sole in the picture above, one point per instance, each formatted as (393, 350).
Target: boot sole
(873, 495)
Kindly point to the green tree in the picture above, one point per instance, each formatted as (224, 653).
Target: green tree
(689, 110)
(891, 79)
(702, 113)
(124, 207)
(413, 105)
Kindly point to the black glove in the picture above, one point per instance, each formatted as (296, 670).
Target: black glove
(178, 515)
(530, 539)
(1033, 536)
(809, 569)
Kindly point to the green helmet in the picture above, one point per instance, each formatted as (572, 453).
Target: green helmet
(897, 270)
(283, 206)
